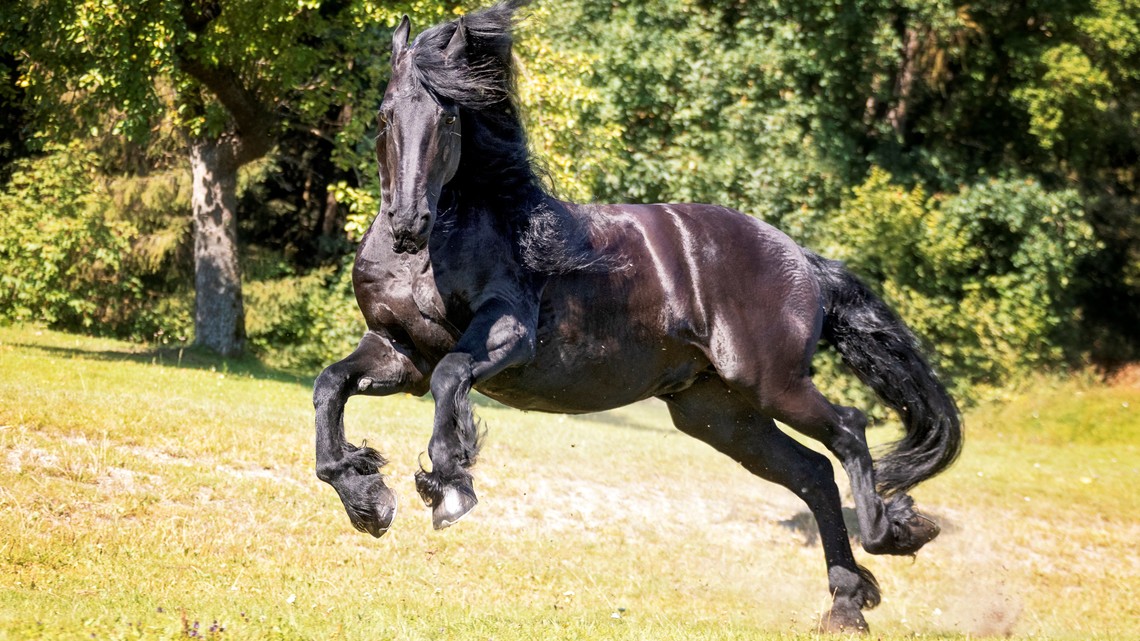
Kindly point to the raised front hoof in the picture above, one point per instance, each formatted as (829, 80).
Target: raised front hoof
(456, 503)
(370, 505)
(907, 532)
(449, 500)
(920, 530)
(845, 620)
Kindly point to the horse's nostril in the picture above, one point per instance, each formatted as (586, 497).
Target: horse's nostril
(406, 245)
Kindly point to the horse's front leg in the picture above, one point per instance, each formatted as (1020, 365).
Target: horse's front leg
(377, 367)
(500, 336)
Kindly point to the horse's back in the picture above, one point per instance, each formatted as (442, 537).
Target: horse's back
(679, 291)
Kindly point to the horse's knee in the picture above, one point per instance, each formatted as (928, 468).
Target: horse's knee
(329, 471)
(852, 418)
(514, 339)
(849, 436)
(331, 383)
(453, 372)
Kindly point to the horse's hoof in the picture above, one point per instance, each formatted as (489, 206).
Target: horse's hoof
(916, 532)
(923, 529)
(384, 514)
(371, 505)
(908, 532)
(454, 504)
(848, 620)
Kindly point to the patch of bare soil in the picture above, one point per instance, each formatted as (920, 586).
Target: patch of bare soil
(985, 613)
(748, 517)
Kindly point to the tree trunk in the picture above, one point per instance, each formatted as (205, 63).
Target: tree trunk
(219, 317)
(904, 85)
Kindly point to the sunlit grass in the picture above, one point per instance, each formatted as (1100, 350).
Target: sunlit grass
(156, 496)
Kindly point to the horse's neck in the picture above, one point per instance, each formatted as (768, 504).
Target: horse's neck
(460, 211)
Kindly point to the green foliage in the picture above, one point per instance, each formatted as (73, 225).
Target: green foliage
(780, 109)
(558, 91)
(157, 205)
(303, 321)
(362, 202)
(988, 275)
(704, 104)
(63, 253)
(1081, 93)
(85, 253)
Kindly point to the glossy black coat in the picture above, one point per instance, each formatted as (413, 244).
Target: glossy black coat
(473, 277)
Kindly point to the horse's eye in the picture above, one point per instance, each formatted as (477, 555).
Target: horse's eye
(450, 120)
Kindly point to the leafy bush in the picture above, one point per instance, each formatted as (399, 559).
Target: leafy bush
(62, 251)
(72, 257)
(987, 275)
(303, 321)
(84, 253)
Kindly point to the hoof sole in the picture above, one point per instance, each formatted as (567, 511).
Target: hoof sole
(371, 506)
(455, 504)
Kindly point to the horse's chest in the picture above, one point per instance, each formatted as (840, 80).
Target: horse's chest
(413, 304)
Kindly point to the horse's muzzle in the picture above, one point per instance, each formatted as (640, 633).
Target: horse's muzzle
(410, 238)
(408, 245)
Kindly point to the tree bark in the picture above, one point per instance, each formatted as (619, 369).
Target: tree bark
(219, 316)
(908, 74)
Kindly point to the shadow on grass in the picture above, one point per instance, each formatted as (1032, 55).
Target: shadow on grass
(191, 358)
(619, 420)
(614, 418)
(180, 358)
(803, 523)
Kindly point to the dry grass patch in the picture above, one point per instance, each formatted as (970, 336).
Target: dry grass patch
(143, 498)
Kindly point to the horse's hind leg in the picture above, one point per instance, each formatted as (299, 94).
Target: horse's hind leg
(889, 526)
(375, 368)
(711, 412)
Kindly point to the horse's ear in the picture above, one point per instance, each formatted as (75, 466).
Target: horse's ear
(457, 48)
(400, 36)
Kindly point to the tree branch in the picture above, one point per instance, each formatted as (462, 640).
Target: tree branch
(252, 119)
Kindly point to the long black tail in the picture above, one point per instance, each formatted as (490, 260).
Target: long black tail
(885, 355)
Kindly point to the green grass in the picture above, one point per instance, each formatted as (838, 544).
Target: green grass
(142, 494)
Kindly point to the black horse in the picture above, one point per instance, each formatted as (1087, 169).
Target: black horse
(474, 276)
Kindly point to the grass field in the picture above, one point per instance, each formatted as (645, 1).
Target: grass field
(146, 498)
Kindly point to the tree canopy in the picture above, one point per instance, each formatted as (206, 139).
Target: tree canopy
(977, 163)
(233, 78)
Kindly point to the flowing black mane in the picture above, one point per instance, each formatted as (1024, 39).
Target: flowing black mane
(485, 80)
(497, 172)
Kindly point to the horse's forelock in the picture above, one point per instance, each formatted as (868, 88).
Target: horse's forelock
(485, 77)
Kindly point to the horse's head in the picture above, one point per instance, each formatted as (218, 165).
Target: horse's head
(420, 138)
